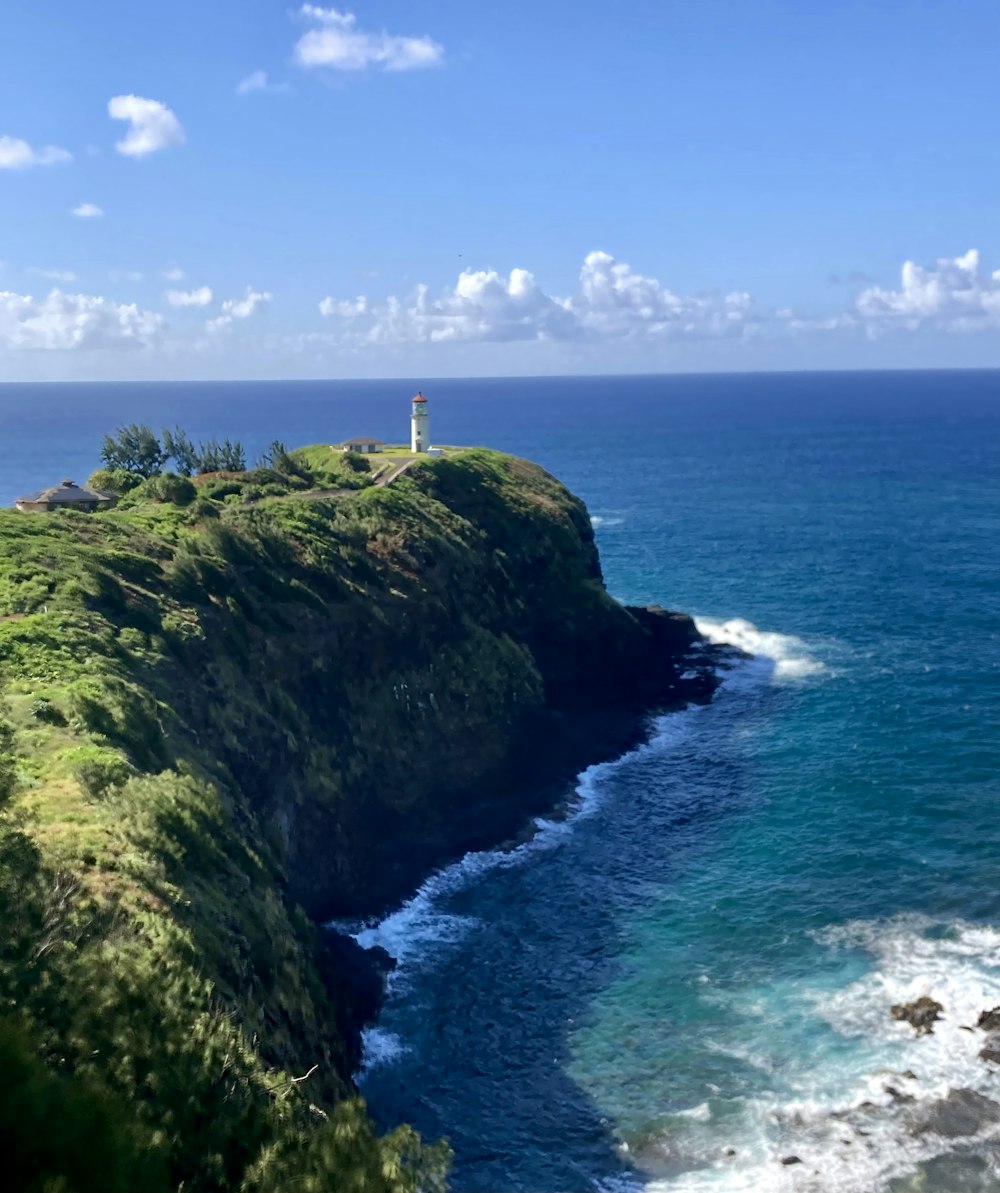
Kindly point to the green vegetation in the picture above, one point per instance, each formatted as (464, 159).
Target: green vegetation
(221, 709)
(136, 451)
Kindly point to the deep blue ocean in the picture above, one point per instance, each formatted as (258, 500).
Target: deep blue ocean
(690, 978)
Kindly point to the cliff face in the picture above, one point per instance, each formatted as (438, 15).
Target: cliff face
(301, 703)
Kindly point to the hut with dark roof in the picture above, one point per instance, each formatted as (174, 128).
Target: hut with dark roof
(67, 495)
(363, 444)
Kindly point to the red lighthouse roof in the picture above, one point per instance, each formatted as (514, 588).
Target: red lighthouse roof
(419, 398)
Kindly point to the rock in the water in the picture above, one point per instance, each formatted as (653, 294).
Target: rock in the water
(991, 1052)
(964, 1112)
(790, 1160)
(989, 1020)
(921, 1014)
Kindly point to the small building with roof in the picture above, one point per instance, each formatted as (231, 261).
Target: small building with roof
(363, 445)
(67, 495)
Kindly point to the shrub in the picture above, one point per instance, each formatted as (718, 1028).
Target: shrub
(169, 487)
(356, 462)
(114, 480)
(44, 710)
(97, 776)
(201, 507)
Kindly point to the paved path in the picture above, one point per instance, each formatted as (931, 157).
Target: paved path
(388, 475)
(385, 477)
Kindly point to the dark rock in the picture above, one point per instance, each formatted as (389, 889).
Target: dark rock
(909, 1073)
(955, 1172)
(921, 1014)
(896, 1095)
(991, 1052)
(989, 1020)
(786, 1160)
(964, 1112)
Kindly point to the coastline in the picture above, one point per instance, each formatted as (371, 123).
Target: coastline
(545, 769)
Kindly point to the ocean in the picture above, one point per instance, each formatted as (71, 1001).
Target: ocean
(689, 980)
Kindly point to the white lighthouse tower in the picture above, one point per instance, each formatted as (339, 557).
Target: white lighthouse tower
(420, 425)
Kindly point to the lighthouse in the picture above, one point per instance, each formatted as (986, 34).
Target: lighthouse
(420, 425)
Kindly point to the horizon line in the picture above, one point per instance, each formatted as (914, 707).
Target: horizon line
(517, 376)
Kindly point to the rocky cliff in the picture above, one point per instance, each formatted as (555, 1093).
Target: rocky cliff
(231, 720)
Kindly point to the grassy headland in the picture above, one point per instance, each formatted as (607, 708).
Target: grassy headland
(233, 708)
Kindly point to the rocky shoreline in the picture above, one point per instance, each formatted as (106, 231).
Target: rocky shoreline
(682, 670)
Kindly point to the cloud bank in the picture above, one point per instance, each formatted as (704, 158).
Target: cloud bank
(954, 294)
(336, 42)
(611, 301)
(67, 321)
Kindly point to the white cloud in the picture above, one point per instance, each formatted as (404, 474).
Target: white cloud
(66, 321)
(337, 42)
(200, 297)
(16, 154)
(53, 275)
(953, 295)
(615, 301)
(88, 211)
(239, 308)
(153, 125)
(255, 81)
(349, 308)
(610, 302)
(174, 274)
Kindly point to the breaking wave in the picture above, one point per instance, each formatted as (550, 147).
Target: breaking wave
(863, 1105)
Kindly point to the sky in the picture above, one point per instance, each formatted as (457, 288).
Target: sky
(256, 189)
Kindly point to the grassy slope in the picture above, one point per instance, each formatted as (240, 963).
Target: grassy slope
(197, 695)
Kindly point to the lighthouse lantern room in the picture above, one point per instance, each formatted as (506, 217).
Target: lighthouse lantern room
(420, 425)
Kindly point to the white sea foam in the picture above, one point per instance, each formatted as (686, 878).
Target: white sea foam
(415, 934)
(838, 1113)
(598, 520)
(379, 1047)
(787, 657)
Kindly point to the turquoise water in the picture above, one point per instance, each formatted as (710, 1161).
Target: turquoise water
(694, 979)
(691, 978)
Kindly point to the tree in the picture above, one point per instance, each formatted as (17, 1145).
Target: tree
(227, 456)
(179, 447)
(134, 448)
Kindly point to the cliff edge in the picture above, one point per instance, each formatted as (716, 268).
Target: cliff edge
(229, 720)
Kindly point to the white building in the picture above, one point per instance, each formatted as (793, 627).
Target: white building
(420, 425)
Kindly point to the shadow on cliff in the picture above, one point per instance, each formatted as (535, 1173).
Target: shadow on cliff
(488, 1022)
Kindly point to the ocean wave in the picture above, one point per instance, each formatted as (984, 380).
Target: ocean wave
(417, 932)
(598, 520)
(414, 933)
(856, 1116)
(787, 656)
(380, 1047)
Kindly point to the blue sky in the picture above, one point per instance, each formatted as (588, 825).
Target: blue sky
(385, 189)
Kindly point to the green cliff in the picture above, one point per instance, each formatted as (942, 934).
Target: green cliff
(228, 720)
